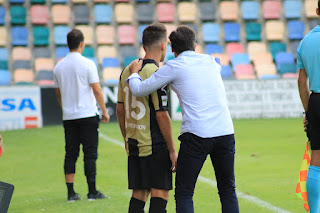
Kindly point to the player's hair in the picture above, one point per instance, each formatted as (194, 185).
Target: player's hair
(74, 38)
(182, 39)
(154, 34)
(319, 4)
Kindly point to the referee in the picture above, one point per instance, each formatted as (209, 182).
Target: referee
(78, 90)
(207, 127)
(308, 63)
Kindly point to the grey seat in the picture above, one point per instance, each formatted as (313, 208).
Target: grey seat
(294, 46)
(145, 12)
(207, 11)
(128, 50)
(42, 52)
(44, 75)
(21, 64)
(81, 14)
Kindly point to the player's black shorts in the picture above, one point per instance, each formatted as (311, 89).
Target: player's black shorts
(313, 117)
(150, 172)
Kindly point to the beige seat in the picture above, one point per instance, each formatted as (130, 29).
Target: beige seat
(87, 33)
(60, 14)
(274, 30)
(224, 59)
(262, 58)
(255, 48)
(187, 11)
(79, 1)
(3, 36)
(43, 64)
(124, 13)
(229, 10)
(170, 28)
(266, 69)
(101, 1)
(23, 75)
(105, 34)
(106, 52)
(310, 7)
(111, 73)
(21, 53)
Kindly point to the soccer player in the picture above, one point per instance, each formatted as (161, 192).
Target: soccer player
(146, 129)
(308, 63)
(207, 127)
(78, 90)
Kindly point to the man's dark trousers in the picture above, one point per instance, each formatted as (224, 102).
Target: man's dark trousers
(192, 154)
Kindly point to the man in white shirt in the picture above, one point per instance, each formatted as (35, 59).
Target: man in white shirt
(207, 126)
(78, 91)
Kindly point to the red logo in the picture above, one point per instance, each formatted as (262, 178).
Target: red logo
(31, 122)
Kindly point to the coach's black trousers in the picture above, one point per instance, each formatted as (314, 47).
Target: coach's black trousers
(81, 131)
(192, 154)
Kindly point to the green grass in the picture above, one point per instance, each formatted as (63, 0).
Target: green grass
(268, 159)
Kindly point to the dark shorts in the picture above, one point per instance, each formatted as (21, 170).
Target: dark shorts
(313, 117)
(150, 172)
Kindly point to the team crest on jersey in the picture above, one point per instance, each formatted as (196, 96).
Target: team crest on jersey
(164, 99)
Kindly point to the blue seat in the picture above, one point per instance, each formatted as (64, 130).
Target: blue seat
(128, 50)
(213, 48)
(16, 1)
(253, 31)
(207, 11)
(41, 36)
(58, 1)
(294, 47)
(141, 29)
(2, 15)
(287, 68)
(60, 35)
(269, 77)
(103, 13)
(61, 52)
(250, 10)
(284, 57)
(276, 47)
(145, 12)
(88, 52)
(240, 58)
(18, 15)
(4, 54)
(4, 65)
(169, 54)
(292, 8)
(231, 32)
(127, 60)
(19, 36)
(296, 30)
(143, 0)
(211, 32)
(110, 62)
(5, 77)
(226, 72)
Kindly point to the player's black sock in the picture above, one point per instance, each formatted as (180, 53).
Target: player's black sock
(157, 205)
(136, 206)
(92, 187)
(70, 189)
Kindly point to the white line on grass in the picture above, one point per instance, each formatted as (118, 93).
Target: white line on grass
(212, 183)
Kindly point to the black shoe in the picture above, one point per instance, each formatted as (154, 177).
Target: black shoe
(74, 197)
(96, 196)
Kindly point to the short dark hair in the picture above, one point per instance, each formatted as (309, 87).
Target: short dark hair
(319, 4)
(74, 38)
(154, 33)
(182, 39)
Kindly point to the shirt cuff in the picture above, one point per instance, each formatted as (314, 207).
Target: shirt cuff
(133, 75)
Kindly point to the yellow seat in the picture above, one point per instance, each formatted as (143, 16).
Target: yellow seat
(274, 30)
(87, 33)
(255, 48)
(46, 64)
(60, 14)
(310, 8)
(229, 10)
(105, 34)
(106, 52)
(124, 13)
(23, 75)
(187, 11)
(21, 53)
(266, 69)
(3, 36)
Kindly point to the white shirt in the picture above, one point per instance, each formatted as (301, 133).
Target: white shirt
(197, 81)
(73, 76)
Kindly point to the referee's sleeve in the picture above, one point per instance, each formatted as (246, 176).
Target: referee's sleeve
(299, 59)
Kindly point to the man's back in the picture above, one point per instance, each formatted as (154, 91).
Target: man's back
(73, 75)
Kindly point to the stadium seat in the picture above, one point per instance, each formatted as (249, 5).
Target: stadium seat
(4, 65)
(290, 75)
(310, 6)
(166, 12)
(284, 57)
(207, 11)
(141, 29)
(124, 13)
(170, 29)
(253, 31)
(294, 47)
(126, 34)
(143, 1)
(295, 30)
(276, 47)
(3, 36)
(287, 68)
(169, 54)
(292, 8)
(60, 14)
(61, 52)
(2, 15)
(255, 47)
(43, 64)
(18, 14)
(87, 33)
(101, 1)
(128, 50)
(60, 34)
(313, 23)
(240, 58)
(250, 10)
(105, 52)
(271, 9)
(274, 30)
(58, 1)
(110, 62)
(127, 60)
(79, 1)
(211, 32)
(4, 54)
(187, 11)
(224, 58)
(41, 52)
(105, 34)
(5, 77)
(262, 58)
(19, 36)
(244, 72)
(23, 76)
(21, 64)
(16, 1)
(40, 36)
(145, 12)
(88, 52)
(226, 72)
(231, 32)
(213, 48)
(44, 75)
(37, 1)
(232, 48)
(103, 14)
(229, 10)
(194, 27)
(111, 75)
(39, 14)
(21, 53)
(81, 14)
(267, 70)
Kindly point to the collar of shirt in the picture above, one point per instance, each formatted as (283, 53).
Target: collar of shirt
(73, 53)
(148, 60)
(187, 52)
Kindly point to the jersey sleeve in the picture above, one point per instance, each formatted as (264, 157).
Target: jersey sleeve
(120, 91)
(93, 76)
(299, 59)
(55, 80)
(160, 99)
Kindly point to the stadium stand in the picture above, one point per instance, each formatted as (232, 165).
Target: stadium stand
(19, 36)
(276, 47)
(5, 77)
(16, 1)
(21, 53)
(250, 10)
(124, 13)
(294, 46)
(105, 52)
(43, 64)
(255, 48)
(213, 48)
(232, 48)
(187, 12)
(87, 33)
(284, 57)
(23, 76)
(295, 30)
(105, 34)
(244, 72)
(126, 34)
(313, 23)
(41, 36)
(292, 9)
(3, 36)
(224, 58)
(266, 71)
(262, 58)
(39, 52)
(145, 12)
(274, 30)
(61, 52)
(310, 6)
(271, 9)
(60, 34)
(103, 14)
(81, 14)
(231, 32)
(240, 58)
(2, 15)
(226, 72)
(253, 31)
(21, 64)
(18, 14)
(207, 11)
(88, 52)
(165, 12)
(39, 14)
(60, 14)
(141, 28)
(229, 10)
(211, 32)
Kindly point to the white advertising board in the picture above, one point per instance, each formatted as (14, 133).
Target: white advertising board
(257, 99)
(20, 107)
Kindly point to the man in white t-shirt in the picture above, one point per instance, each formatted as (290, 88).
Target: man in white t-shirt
(78, 91)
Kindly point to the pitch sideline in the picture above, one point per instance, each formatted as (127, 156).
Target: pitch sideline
(212, 183)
